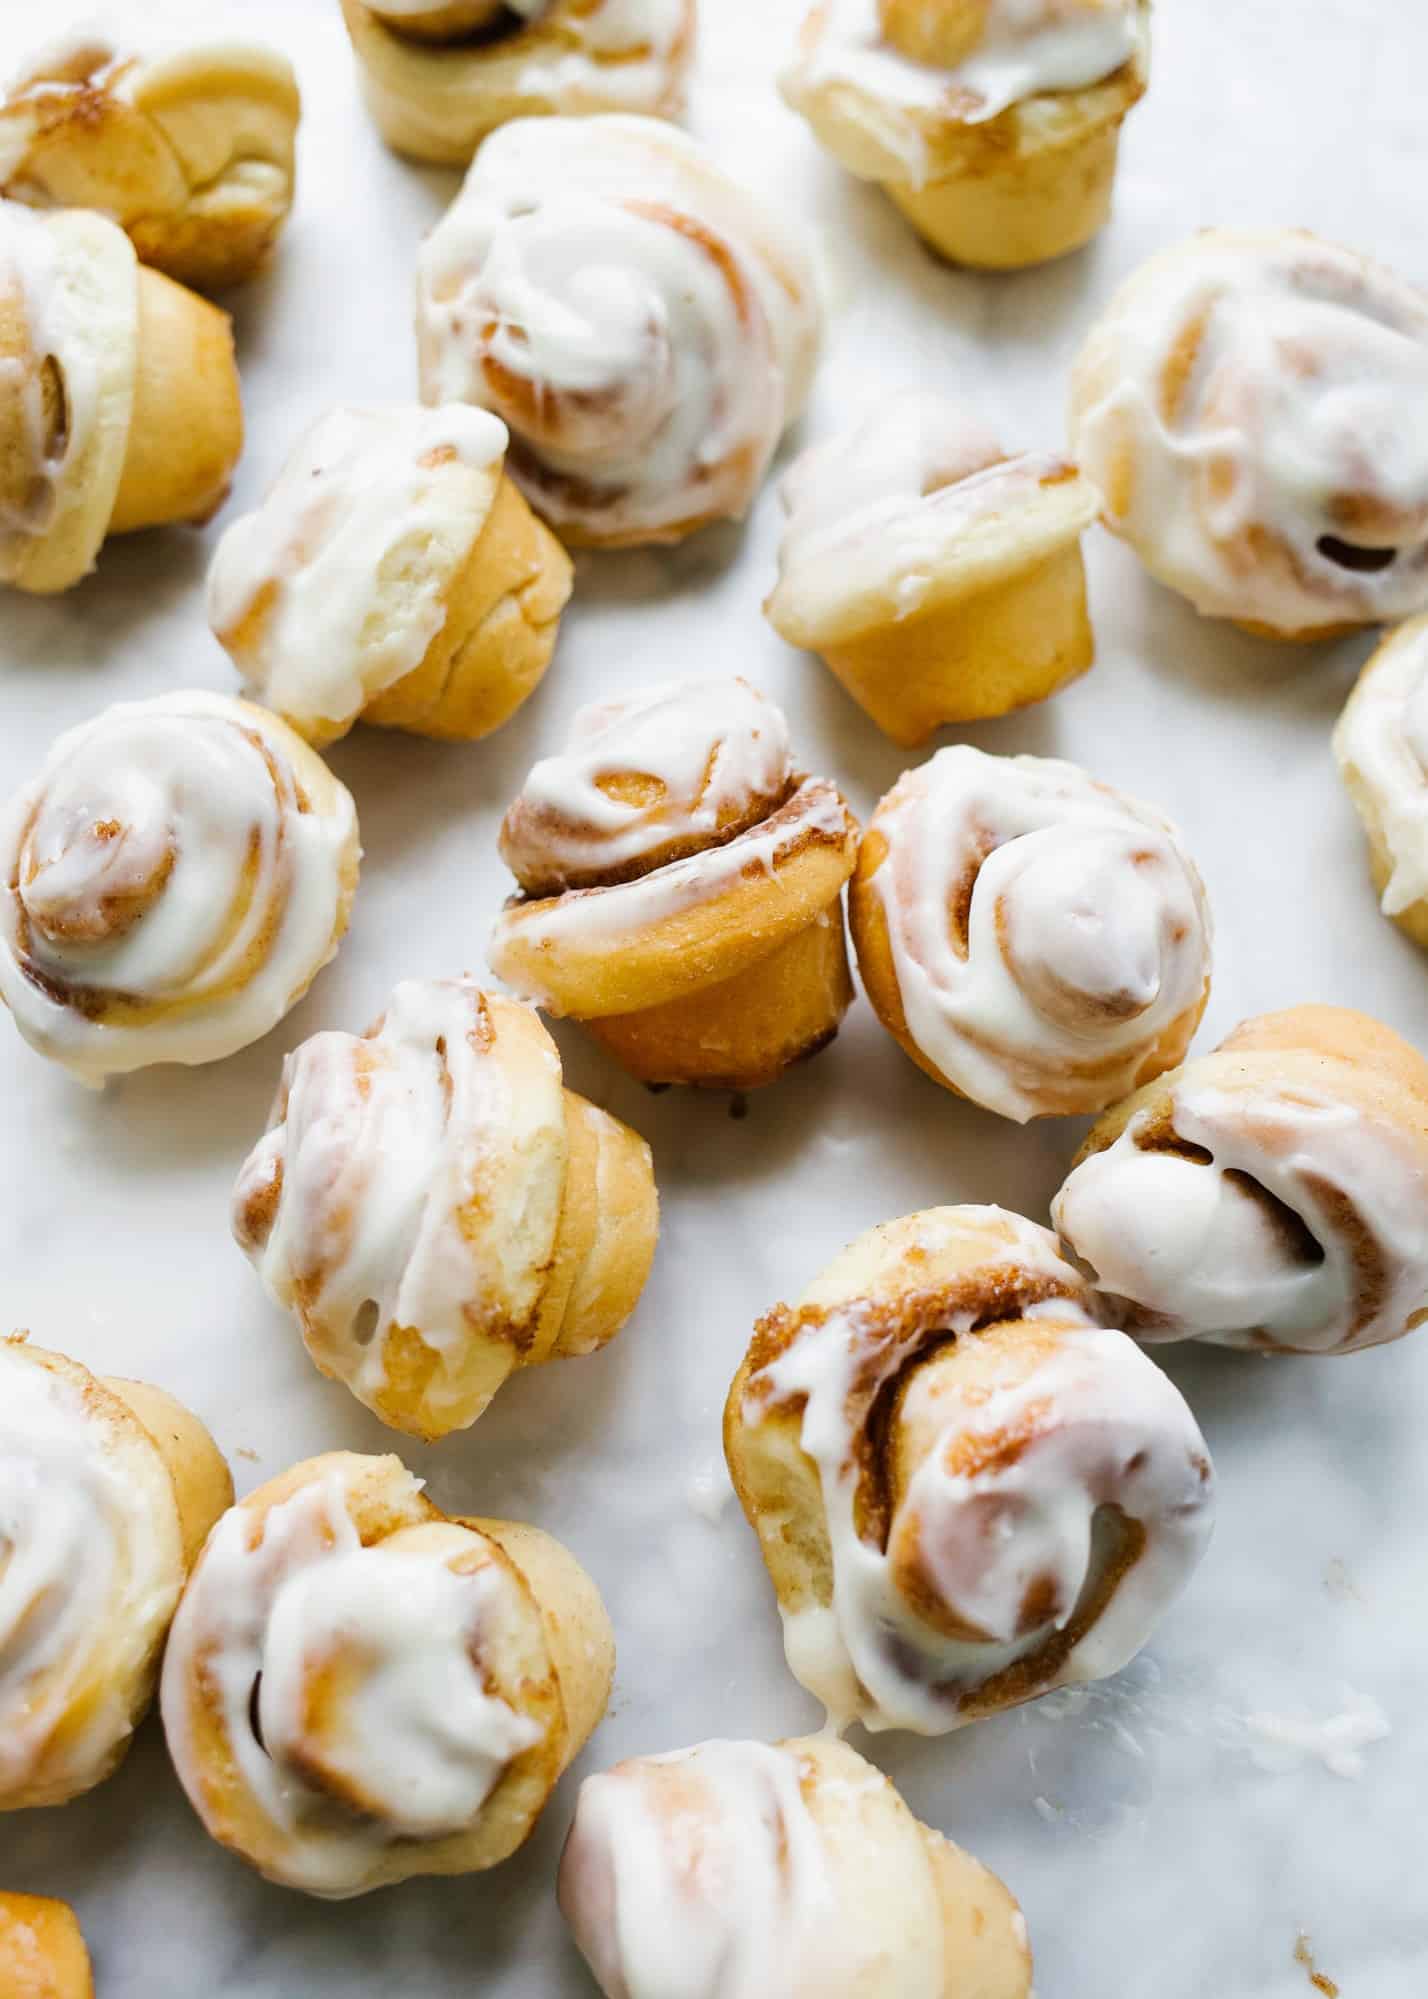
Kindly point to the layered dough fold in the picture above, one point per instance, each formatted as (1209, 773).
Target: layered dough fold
(967, 1489)
(437, 1211)
(682, 887)
(107, 1489)
(358, 1689)
(740, 1870)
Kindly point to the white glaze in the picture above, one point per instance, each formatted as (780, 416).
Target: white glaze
(1088, 933)
(605, 915)
(652, 380)
(712, 747)
(1188, 1252)
(1381, 743)
(881, 513)
(703, 1875)
(420, 1189)
(1028, 48)
(90, 1568)
(358, 543)
(1305, 416)
(199, 796)
(417, 1735)
(1094, 1407)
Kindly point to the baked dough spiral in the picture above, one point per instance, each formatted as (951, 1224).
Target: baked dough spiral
(1036, 941)
(393, 573)
(1381, 746)
(1270, 1195)
(42, 1953)
(439, 75)
(993, 124)
(940, 579)
(358, 1689)
(107, 1489)
(437, 1211)
(682, 887)
(189, 151)
(967, 1491)
(643, 324)
(119, 402)
(1250, 406)
(173, 880)
(740, 1870)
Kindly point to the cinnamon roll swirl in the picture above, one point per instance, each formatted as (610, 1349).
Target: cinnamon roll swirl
(1036, 941)
(437, 1211)
(119, 403)
(966, 1490)
(1269, 1196)
(1381, 745)
(1250, 407)
(393, 573)
(439, 75)
(682, 887)
(173, 880)
(190, 151)
(643, 324)
(940, 579)
(42, 1953)
(739, 1870)
(107, 1489)
(358, 1689)
(993, 124)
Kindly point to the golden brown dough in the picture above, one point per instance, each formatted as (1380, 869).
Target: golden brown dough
(42, 1953)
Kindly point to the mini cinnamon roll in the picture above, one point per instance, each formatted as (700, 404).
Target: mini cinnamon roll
(107, 1489)
(1250, 407)
(436, 1211)
(938, 578)
(393, 573)
(170, 884)
(967, 1491)
(1381, 745)
(1036, 941)
(682, 887)
(993, 124)
(42, 1953)
(119, 402)
(644, 325)
(359, 1689)
(739, 1870)
(439, 75)
(1270, 1195)
(189, 151)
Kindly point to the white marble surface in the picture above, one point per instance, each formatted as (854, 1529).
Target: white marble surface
(1161, 1841)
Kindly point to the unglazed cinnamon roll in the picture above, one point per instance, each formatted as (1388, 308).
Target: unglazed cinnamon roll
(107, 1489)
(1381, 744)
(437, 1211)
(393, 573)
(993, 124)
(189, 151)
(438, 75)
(940, 579)
(736, 1870)
(643, 324)
(1270, 1195)
(119, 403)
(173, 880)
(967, 1490)
(42, 1953)
(1036, 941)
(682, 887)
(358, 1689)
(1250, 405)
